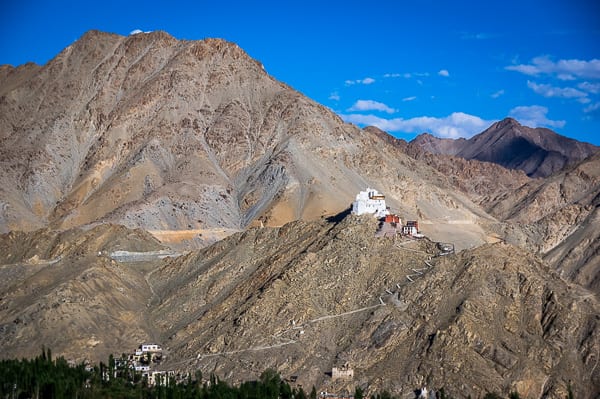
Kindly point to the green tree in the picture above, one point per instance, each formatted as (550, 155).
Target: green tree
(300, 394)
(359, 393)
(569, 392)
(271, 384)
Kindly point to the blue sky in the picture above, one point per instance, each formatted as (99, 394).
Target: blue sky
(450, 68)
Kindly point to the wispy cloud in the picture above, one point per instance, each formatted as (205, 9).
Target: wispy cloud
(370, 105)
(534, 116)
(406, 75)
(592, 108)
(444, 72)
(365, 81)
(590, 87)
(497, 94)
(411, 98)
(335, 96)
(548, 91)
(136, 31)
(561, 69)
(477, 36)
(457, 124)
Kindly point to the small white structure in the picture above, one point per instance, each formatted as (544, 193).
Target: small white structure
(150, 348)
(370, 201)
(344, 372)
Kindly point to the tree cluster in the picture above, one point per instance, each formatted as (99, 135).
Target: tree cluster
(47, 378)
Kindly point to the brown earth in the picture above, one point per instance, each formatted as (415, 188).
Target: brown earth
(304, 298)
(151, 132)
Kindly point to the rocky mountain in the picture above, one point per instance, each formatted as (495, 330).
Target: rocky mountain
(167, 191)
(304, 298)
(558, 218)
(538, 152)
(190, 140)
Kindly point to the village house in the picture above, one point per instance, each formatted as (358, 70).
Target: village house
(411, 228)
(344, 372)
(147, 352)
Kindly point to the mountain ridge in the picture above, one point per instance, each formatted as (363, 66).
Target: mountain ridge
(170, 135)
(539, 152)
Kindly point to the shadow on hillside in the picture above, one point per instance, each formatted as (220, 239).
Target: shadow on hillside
(339, 217)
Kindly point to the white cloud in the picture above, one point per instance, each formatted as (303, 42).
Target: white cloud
(406, 75)
(547, 90)
(370, 105)
(534, 116)
(444, 72)
(136, 31)
(457, 124)
(365, 81)
(562, 69)
(335, 96)
(497, 94)
(590, 87)
(592, 108)
(411, 98)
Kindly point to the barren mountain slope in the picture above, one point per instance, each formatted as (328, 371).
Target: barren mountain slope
(481, 181)
(189, 136)
(437, 145)
(559, 218)
(304, 298)
(538, 152)
(62, 291)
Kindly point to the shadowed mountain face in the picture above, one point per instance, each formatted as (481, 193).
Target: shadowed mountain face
(538, 152)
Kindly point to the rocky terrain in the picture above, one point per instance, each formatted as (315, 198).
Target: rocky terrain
(558, 218)
(309, 296)
(538, 152)
(167, 191)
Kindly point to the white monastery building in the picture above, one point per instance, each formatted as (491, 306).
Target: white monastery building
(370, 201)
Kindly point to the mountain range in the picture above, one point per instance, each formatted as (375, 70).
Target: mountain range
(147, 145)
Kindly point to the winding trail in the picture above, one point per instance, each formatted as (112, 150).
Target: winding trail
(201, 356)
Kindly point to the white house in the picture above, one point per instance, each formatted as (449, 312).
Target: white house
(150, 348)
(370, 201)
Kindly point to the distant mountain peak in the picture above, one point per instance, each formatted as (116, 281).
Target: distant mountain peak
(539, 152)
(507, 122)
